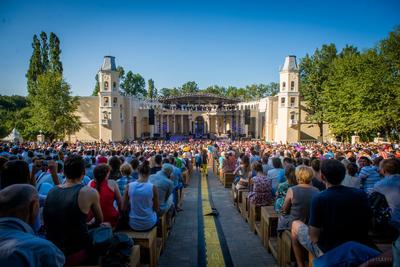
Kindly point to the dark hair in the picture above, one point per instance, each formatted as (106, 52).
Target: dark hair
(352, 169)
(306, 161)
(377, 160)
(158, 159)
(135, 163)
(288, 160)
(333, 171)
(277, 163)
(15, 172)
(391, 166)
(257, 166)
(316, 165)
(367, 160)
(246, 160)
(290, 174)
(74, 167)
(115, 163)
(144, 168)
(100, 174)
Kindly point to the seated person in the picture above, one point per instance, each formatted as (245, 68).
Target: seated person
(316, 180)
(338, 214)
(108, 192)
(351, 179)
(66, 210)
(290, 176)
(368, 175)
(228, 163)
(126, 171)
(260, 192)
(141, 202)
(19, 207)
(165, 187)
(276, 174)
(298, 199)
(243, 173)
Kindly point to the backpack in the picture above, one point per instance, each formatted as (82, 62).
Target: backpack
(381, 212)
(119, 252)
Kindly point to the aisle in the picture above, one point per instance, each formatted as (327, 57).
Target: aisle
(241, 247)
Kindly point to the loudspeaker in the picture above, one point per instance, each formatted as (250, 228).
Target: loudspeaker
(151, 116)
(247, 116)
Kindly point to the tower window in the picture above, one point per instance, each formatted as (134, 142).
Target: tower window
(292, 85)
(283, 85)
(114, 86)
(292, 116)
(115, 100)
(105, 101)
(105, 85)
(282, 101)
(292, 101)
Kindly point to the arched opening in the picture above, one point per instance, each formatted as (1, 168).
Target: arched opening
(199, 127)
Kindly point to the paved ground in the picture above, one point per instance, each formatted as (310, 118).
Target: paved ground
(181, 248)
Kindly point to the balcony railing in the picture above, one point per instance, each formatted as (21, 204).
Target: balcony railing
(292, 122)
(106, 122)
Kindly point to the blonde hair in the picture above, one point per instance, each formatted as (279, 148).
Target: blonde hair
(126, 169)
(304, 174)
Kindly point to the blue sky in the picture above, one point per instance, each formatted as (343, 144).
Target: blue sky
(210, 42)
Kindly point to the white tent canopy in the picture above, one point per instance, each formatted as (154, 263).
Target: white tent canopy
(14, 136)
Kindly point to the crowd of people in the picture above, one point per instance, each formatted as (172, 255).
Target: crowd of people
(52, 194)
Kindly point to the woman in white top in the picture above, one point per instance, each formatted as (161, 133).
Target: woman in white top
(351, 180)
(141, 200)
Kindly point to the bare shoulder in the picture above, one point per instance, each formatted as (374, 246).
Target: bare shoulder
(89, 191)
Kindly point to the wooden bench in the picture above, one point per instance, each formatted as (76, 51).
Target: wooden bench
(243, 208)
(146, 241)
(228, 179)
(285, 251)
(269, 223)
(134, 259)
(162, 229)
(239, 198)
(254, 216)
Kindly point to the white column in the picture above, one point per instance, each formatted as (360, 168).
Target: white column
(182, 124)
(174, 120)
(216, 124)
(167, 123)
(257, 122)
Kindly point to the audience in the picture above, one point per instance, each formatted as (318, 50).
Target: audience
(260, 192)
(108, 192)
(142, 202)
(19, 246)
(290, 176)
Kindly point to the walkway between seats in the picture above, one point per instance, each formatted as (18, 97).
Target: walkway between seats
(185, 248)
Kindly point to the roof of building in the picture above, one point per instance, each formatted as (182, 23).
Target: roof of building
(198, 99)
(108, 63)
(290, 64)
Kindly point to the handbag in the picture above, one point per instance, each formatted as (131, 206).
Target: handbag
(101, 238)
(285, 222)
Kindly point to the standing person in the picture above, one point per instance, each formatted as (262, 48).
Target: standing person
(141, 202)
(108, 192)
(351, 179)
(204, 161)
(197, 158)
(19, 207)
(65, 213)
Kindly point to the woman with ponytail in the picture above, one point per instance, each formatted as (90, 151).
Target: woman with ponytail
(108, 191)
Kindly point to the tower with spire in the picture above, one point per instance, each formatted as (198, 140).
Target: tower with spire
(288, 102)
(110, 108)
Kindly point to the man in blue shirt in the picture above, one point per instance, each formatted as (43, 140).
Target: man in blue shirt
(19, 206)
(165, 186)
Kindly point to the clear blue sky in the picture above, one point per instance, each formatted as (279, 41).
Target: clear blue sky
(210, 42)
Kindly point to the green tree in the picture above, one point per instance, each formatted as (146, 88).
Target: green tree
(272, 89)
(314, 71)
(52, 108)
(133, 84)
(189, 87)
(121, 72)
(35, 66)
(55, 51)
(44, 52)
(96, 89)
(216, 90)
(166, 92)
(152, 92)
